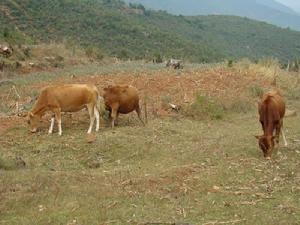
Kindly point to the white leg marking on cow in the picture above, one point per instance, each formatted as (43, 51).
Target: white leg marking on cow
(91, 125)
(51, 125)
(59, 128)
(284, 139)
(97, 118)
(92, 118)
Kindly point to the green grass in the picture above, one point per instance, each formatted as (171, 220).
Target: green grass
(164, 172)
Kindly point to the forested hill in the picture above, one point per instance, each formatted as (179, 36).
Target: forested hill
(134, 32)
(269, 11)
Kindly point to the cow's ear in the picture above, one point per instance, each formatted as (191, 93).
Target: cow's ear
(257, 136)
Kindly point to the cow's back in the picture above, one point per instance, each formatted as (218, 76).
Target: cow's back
(70, 98)
(126, 97)
(273, 100)
(272, 105)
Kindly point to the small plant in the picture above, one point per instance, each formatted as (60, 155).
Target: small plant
(165, 100)
(205, 107)
(230, 63)
(94, 53)
(256, 91)
(240, 105)
(7, 164)
(158, 58)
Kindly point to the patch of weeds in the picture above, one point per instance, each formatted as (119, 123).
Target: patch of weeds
(93, 162)
(93, 52)
(205, 107)
(240, 105)
(165, 100)
(293, 93)
(4, 108)
(256, 91)
(230, 63)
(8, 164)
(269, 62)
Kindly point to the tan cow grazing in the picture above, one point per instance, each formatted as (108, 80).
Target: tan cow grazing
(121, 99)
(65, 98)
(271, 109)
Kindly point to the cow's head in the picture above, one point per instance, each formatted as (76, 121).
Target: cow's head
(266, 144)
(33, 122)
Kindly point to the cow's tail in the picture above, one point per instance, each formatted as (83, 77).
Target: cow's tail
(100, 103)
(145, 108)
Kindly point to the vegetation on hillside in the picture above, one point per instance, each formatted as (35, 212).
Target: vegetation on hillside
(132, 32)
(270, 11)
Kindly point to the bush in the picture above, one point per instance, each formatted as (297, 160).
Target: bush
(158, 58)
(165, 100)
(256, 91)
(230, 63)
(240, 105)
(93, 52)
(205, 107)
(7, 164)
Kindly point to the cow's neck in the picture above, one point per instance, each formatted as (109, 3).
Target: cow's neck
(39, 109)
(268, 131)
(269, 124)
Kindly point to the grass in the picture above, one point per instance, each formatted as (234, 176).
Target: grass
(175, 170)
(205, 107)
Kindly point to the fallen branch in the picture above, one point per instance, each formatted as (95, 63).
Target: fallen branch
(17, 93)
(163, 223)
(224, 222)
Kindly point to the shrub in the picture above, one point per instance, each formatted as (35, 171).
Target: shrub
(94, 53)
(230, 63)
(240, 105)
(165, 100)
(205, 107)
(158, 58)
(7, 164)
(256, 91)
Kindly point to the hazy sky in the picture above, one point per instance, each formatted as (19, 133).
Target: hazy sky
(294, 4)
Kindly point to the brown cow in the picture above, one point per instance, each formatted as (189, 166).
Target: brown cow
(271, 111)
(65, 98)
(121, 99)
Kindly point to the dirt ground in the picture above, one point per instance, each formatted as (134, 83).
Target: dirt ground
(157, 88)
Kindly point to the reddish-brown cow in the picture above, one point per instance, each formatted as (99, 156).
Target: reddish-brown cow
(271, 109)
(65, 98)
(121, 99)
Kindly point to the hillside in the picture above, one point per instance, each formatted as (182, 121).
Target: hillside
(133, 32)
(263, 10)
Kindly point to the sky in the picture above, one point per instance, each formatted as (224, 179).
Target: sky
(293, 4)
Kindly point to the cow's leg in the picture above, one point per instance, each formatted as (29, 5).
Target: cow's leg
(138, 111)
(92, 117)
(51, 125)
(57, 113)
(97, 114)
(114, 113)
(117, 119)
(277, 132)
(283, 135)
(284, 139)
